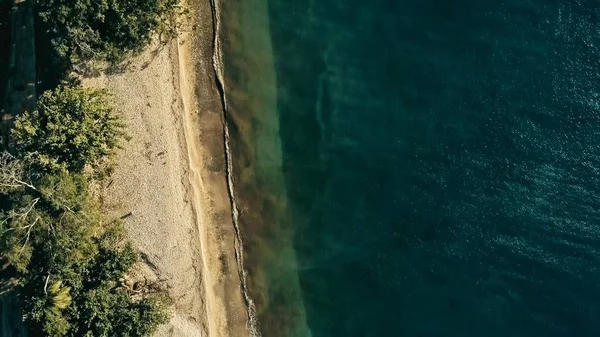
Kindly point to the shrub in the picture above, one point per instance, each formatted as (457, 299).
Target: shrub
(50, 228)
(70, 263)
(71, 127)
(106, 311)
(92, 301)
(83, 30)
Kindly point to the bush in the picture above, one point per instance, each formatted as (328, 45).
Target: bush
(106, 311)
(72, 126)
(71, 264)
(50, 229)
(90, 299)
(49, 309)
(83, 30)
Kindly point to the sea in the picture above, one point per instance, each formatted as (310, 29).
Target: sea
(416, 168)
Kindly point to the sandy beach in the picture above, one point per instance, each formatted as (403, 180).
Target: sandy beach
(170, 177)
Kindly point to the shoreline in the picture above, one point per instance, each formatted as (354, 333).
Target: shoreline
(234, 310)
(252, 324)
(173, 175)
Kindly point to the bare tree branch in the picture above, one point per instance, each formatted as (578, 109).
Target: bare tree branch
(28, 235)
(26, 213)
(18, 215)
(46, 284)
(11, 174)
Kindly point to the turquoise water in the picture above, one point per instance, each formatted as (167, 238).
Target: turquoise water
(418, 167)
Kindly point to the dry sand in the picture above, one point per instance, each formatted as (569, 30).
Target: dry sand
(171, 175)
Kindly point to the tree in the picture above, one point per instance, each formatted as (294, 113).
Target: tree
(83, 30)
(50, 307)
(71, 127)
(17, 226)
(51, 225)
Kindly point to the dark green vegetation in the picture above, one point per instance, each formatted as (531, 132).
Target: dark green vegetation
(69, 261)
(106, 30)
(5, 6)
(71, 127)
(71, 265)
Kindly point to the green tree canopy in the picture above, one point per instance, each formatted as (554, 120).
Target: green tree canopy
(72, 126)
(83, 30)
(70, 263)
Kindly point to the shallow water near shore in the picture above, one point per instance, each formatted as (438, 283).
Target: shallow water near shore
(418, 168)
(259, 186)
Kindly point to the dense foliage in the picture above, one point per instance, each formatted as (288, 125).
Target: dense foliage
(70, 262)
(71, 126)
(83, 30)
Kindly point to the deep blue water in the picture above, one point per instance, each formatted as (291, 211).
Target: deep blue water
(441, 163)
